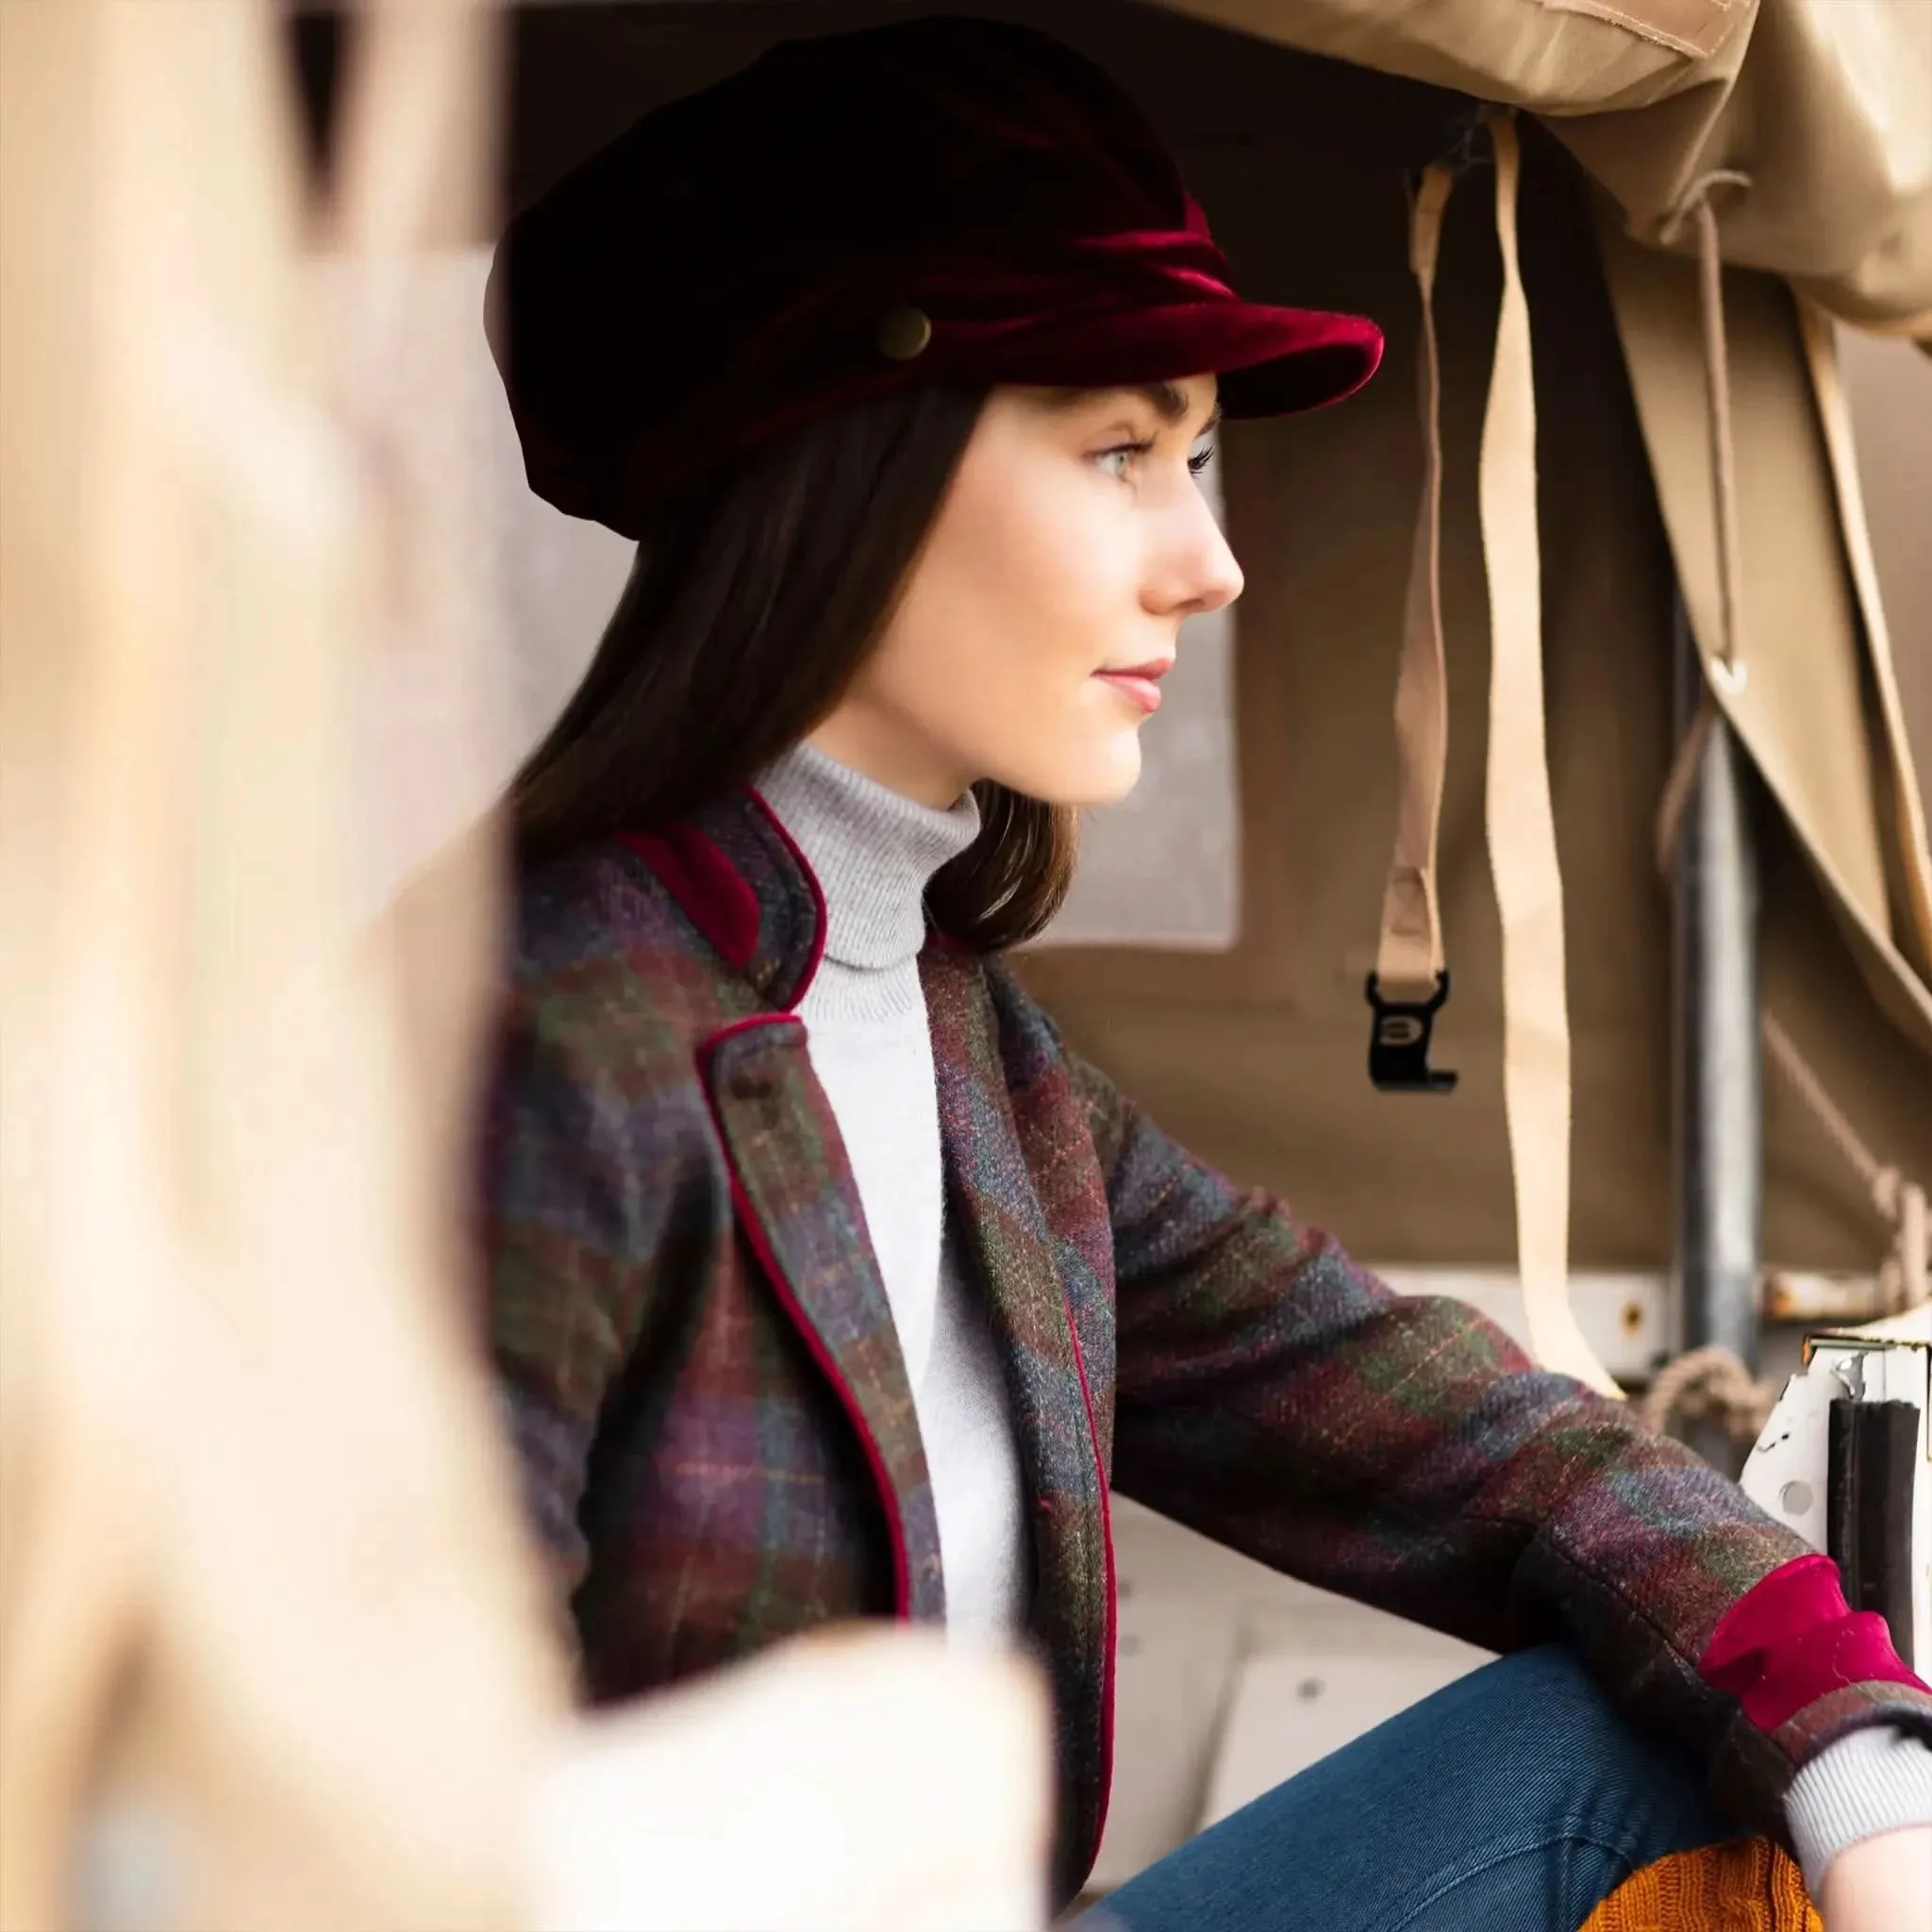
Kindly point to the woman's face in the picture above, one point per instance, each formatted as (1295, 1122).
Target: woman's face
(1072, 542)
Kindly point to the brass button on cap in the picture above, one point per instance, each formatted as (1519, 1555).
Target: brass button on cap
(904, 332)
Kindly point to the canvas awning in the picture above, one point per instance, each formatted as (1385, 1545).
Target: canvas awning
(1824, 105)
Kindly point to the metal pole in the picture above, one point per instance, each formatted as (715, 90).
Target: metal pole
(1720, 1131)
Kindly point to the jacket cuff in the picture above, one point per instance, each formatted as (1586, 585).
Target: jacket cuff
(1874, 1781)
(1791, 1639)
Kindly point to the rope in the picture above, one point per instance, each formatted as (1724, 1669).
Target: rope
(1710, 1382)
(1903, 1276)
(1682, 781)
(1695, 209)
(1722, 449)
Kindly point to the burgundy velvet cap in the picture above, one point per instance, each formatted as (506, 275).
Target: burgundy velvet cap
(936, 201)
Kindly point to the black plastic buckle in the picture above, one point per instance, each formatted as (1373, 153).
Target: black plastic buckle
(1399, 1041)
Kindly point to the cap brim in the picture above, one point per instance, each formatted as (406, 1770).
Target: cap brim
(1269, 361)
(1313, 359)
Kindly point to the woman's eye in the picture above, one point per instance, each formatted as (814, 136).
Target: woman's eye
(1200, 459)
(1118, 461)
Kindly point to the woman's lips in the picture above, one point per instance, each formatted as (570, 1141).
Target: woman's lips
(1137, 687)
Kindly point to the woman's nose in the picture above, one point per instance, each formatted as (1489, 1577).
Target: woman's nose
(1221, 579)
(1200, 573)
(1190, 569)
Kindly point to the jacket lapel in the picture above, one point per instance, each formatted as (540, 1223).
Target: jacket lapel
(751, 900)
(798, 1206)
(1010, 1247)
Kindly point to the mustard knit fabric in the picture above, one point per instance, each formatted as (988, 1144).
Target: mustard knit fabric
(1745, 1885)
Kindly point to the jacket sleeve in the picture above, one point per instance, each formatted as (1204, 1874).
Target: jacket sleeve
(1403, 1451)
(563, 1226)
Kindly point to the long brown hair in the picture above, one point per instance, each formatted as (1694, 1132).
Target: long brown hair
(751, 606)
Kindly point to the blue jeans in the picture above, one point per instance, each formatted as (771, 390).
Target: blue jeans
(1515, 1800)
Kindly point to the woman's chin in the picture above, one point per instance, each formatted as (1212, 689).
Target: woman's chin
(1103, 775)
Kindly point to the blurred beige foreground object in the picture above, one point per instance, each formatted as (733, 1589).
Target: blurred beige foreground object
(840, 1782)
(266, 1631)
(270, 1651)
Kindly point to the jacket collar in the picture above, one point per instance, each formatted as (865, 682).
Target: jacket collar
(740, 879)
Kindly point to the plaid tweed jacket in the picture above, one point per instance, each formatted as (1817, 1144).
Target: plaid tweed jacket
(718, 1436)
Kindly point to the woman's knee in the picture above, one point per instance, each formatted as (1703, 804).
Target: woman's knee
(1558, 1746)
(1538, 1703)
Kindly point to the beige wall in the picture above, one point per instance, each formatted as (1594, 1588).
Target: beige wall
(1890, 385)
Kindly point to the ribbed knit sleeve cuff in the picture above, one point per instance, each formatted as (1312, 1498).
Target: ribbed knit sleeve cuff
(1874, 1781)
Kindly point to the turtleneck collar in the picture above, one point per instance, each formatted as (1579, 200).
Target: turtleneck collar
(873, 851)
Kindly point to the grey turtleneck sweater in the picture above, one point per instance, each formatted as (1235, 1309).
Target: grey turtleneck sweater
(875, 853)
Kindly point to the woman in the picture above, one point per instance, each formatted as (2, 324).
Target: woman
(825, 1282)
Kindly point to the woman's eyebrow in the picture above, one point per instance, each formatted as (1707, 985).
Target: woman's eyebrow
(1168, 400)
(1171, 403)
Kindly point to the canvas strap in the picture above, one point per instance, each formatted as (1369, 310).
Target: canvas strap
(1409, 955)
(1522, 824)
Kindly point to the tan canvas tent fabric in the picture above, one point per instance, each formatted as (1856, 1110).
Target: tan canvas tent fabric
(1825, 103)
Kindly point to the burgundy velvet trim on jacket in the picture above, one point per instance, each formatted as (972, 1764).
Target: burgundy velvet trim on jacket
(1793, 1639)
(712, 891)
